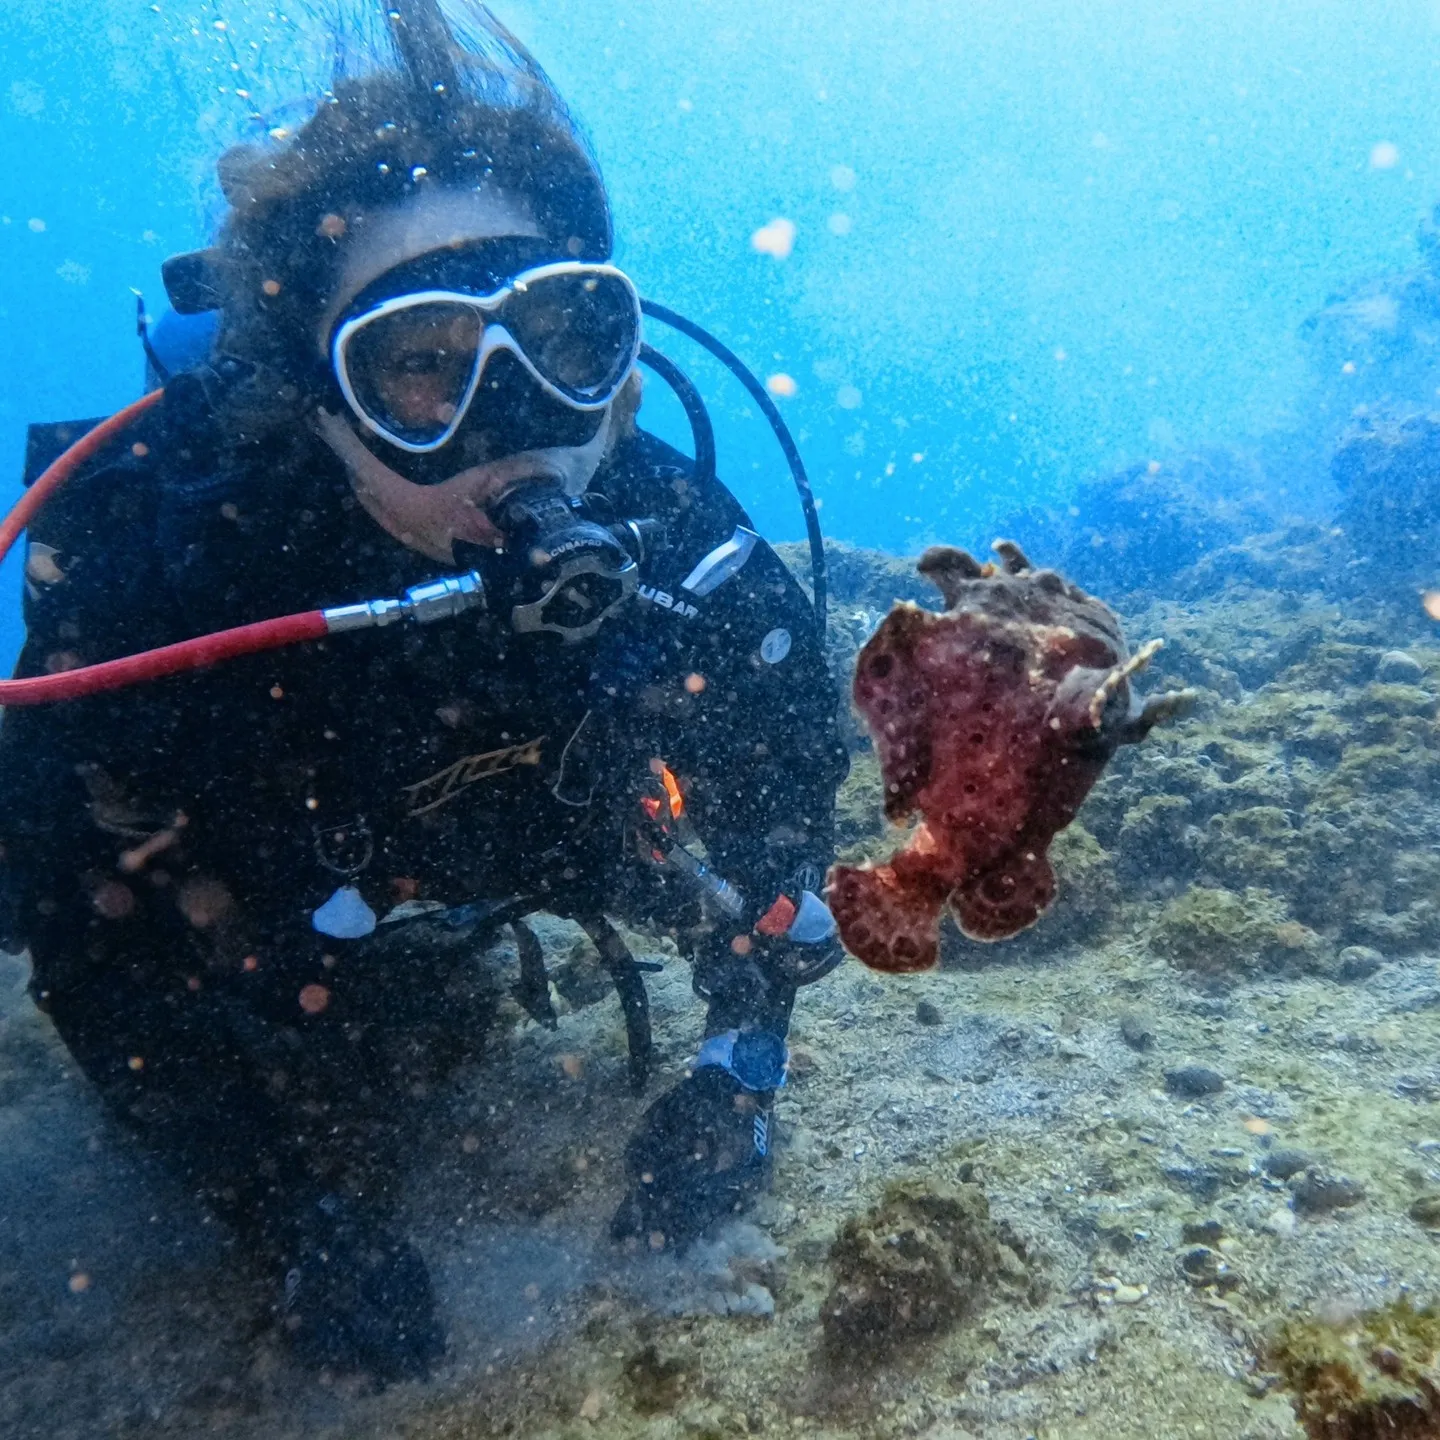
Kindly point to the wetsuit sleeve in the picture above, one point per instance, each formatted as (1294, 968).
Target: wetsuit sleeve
(761, 751)
(750, 708)
(92, 592)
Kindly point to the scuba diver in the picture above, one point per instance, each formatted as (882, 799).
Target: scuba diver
(418, 380)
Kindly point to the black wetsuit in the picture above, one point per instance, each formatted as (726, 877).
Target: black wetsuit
(185, 972)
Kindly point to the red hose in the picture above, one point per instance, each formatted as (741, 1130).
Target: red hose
(149, 664)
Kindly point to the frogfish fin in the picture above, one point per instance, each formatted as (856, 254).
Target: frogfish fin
(1007, 899)
(888, 922)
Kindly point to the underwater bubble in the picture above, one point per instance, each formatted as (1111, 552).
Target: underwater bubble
(1385, 156)
(776, 239)
(842, 177)
(848, 397)
(839, 223)
(781, 384)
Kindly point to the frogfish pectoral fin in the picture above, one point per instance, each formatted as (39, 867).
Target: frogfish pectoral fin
(887, 921)
(1006, 900)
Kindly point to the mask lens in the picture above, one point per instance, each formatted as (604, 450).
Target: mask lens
(578, 330)
(411, 368)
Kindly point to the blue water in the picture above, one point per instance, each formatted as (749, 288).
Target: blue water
(1031, 242)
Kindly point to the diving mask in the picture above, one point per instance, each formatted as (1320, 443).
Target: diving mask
(410, 364)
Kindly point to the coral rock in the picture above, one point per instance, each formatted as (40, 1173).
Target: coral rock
(923, 1259)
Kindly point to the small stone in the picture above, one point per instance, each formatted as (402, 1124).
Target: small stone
(1206, 1268)
(1426, 1211)
(1130, 1294)
(1136, 1030)
(1202, 1181)
(1193, 1081)
(1398, 668)
(1357, 962)
(1282, 1164)
(1315, 1192)
(1281, 1223)
(928, 1014)
(1202, 1232)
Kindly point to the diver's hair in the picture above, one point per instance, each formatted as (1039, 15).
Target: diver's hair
(456, 102)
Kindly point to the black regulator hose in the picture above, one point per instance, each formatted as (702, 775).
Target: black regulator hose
(758, 393)
(701, 430)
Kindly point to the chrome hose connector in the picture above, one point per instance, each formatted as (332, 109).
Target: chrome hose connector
(441, 599)
(364, 616)
(444, 598)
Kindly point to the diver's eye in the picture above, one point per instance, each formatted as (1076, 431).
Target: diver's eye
(423, 362)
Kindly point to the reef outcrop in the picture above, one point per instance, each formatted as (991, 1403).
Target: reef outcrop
(920, 1261)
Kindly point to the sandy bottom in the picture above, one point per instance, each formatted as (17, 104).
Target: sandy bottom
(122, 1313)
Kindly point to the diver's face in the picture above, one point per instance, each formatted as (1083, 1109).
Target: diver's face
(518, 434)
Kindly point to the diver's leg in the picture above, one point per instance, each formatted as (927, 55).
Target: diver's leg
(275, 1125)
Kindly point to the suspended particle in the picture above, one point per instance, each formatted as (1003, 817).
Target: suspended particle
(383, 168)
(1385, 156)
(314, 999)
(271, 287)
(842, 177)
(782, 385)
(776, 239)
(79, 1282)
(694, 684)
(419, 173)
(331, 226)
(848, 397)
(1431, 601)
(204, 902)
(839, 223)
(136, 1063)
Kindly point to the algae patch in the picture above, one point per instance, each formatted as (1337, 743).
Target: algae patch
(1378, 1375)
(921, 1260)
